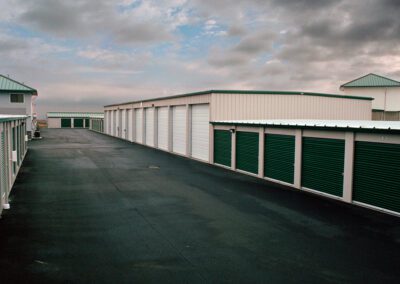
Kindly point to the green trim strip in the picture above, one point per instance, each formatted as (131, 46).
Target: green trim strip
(246, 93)
(364, 130)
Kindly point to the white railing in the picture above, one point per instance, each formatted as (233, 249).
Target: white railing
(13, 147)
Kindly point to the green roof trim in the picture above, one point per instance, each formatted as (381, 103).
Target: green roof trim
(9, 85)
(371, 81)
(244, 92)
(75, 114)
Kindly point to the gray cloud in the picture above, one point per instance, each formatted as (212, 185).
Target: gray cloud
(89, 18)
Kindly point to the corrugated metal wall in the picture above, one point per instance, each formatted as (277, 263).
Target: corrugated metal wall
(253, 106)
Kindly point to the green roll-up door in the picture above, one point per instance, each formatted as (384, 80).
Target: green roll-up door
(279, 157)
(87, 123)
(78, 122)
(222, 147)
(376, 178)
(65, 122)
(247, 151)
(323, 165)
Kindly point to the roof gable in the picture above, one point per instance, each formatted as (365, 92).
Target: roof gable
(371, 80)
(10, 85)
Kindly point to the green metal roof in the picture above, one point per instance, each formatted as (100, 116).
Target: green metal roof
(75, 114)
(250, 92)
(372, 81)
(10, 85)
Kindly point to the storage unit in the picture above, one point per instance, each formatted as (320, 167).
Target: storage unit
(72, 119)
(377, 175)
(78, 122)
(353, 161)
(247, 151)
(223, 147)
(200, 132)
(139, 125)
(13, 148)
(66, 123)
(279, 154)
(179, 129)
(149, 115)
(162, 128)
(323, 165)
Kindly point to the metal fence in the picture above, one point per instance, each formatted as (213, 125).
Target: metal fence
(13, 147)
(97, 124)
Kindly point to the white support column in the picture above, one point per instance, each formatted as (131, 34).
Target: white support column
(348, 167)
(155, 123)
(188, 131)
(133, 125)
(233, 154)
(261, 152)
(211, 143)
(143, 126)
(72, 122)
(170, 122)
(298, 158)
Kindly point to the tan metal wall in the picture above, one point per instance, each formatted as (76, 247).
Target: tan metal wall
(53, 122)
(251, 106)
(200, 99)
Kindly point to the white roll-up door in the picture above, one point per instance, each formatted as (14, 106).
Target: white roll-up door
(139, 123)
(149, 113)
(200, 132)
(162, 128)
(179, 129)
(114, 123)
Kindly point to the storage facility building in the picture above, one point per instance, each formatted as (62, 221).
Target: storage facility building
(13, 148)
(17, 98)
(385, 91)
(353, 161)
(71, 119)
(181, 124)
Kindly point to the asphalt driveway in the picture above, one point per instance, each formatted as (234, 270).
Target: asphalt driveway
(88, 208)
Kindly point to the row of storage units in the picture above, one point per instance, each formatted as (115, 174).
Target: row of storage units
(353, 161)
(71, 119)
(181, 124)
(97, 124)
(184, 130)
(13, 147)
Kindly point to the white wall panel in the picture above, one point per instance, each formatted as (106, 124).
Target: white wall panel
(200, 131)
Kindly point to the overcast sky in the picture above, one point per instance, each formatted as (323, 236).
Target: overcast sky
(83, 54)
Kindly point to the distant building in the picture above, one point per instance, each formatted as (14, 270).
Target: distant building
(18, 99)
(385, 91)
(71, 119)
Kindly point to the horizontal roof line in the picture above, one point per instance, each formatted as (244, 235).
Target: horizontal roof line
(250, 92)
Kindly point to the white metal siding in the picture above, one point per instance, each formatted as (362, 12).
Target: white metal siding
(139, 128)
(200, 131)
(149, 112)
(252, 106)
(179, 129)
(162, 128)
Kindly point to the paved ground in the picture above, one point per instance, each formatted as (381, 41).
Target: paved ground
(89, 208)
